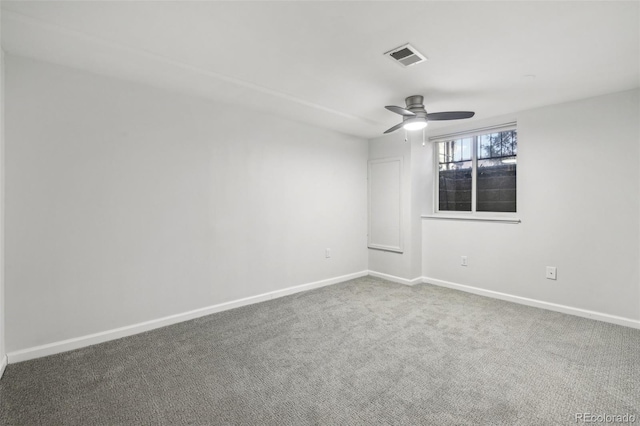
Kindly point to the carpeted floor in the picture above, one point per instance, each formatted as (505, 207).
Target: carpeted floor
(358, 353)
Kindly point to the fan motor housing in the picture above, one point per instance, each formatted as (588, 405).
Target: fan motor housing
(414, 101)
(415, 105)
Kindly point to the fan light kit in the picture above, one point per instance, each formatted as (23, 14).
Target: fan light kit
(412, 124)
(415, 117)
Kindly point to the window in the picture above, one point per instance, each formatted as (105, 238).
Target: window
(477, 171)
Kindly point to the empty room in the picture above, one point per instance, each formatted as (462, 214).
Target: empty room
(320, 212)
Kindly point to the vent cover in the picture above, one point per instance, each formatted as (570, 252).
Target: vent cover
(406, 55)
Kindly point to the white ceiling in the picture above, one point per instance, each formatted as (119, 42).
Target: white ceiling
(322, 62)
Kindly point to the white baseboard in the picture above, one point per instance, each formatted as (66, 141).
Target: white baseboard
(628, 322)
(395, 279)
(3, 364)
(92, 339)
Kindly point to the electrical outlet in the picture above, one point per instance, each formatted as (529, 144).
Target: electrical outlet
(463, 261)
(327, 253)
(551, 272)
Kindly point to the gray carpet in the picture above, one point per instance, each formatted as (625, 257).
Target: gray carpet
(358, 353)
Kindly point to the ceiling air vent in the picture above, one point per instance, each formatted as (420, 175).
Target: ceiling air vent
(406, 55)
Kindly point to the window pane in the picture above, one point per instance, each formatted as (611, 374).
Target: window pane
(455, 174)
(457, 150)
(446, 152)
(506, 144)
(495, 143)
(484, 146)
(466, 148)
(496, 187)
(507, 148)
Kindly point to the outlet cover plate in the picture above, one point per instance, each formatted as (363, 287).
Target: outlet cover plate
(551, 273)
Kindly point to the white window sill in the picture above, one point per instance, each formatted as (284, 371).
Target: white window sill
(503, 219)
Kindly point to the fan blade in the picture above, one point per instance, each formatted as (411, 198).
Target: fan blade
(399, 110)
(450, 115)
(394, 128)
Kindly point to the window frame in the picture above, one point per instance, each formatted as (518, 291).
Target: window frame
(511, 217)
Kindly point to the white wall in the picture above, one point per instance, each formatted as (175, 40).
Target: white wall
(2, 307)
(406, 265)
(578, 199)
(127, 203)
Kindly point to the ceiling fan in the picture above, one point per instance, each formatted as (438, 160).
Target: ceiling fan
(415, 117)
